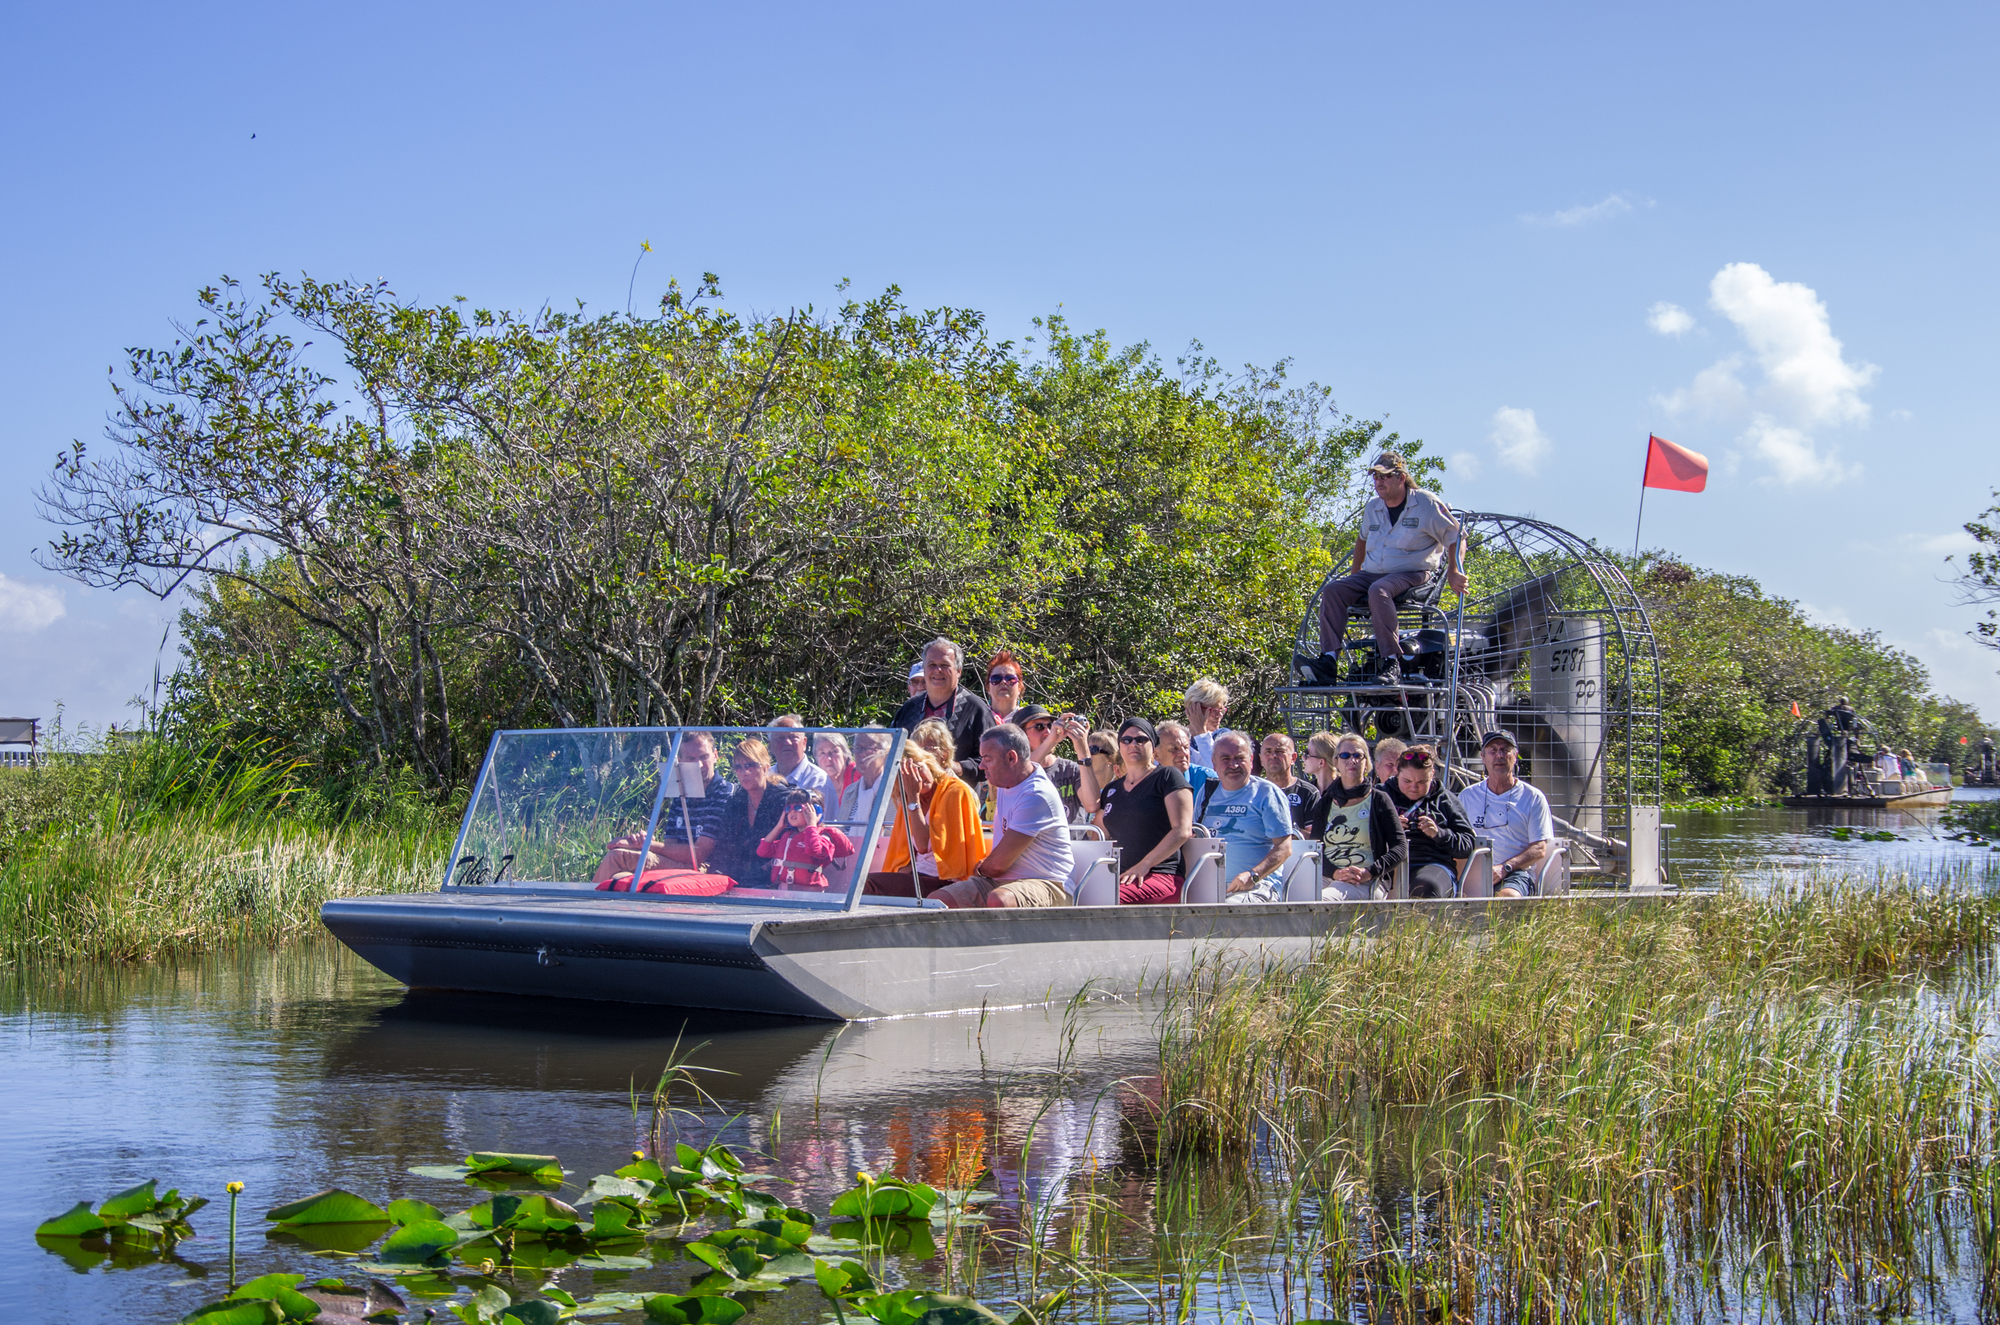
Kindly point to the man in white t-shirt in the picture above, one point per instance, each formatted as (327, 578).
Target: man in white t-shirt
(1031, 860)
(1512, 813)
(1406, 534)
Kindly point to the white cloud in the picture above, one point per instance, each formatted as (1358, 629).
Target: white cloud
(1793, 456)
(1788, 329)
(1669, 319)
(1615, 205)
(1805, 380)
(27, 608)
(1519, 439)
(1944, 545)
(1716, 393)
(1465, 464)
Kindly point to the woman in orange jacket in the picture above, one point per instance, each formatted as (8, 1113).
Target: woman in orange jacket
(937, 815)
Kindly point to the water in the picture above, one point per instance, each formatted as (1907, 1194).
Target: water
(1706, 847)
(306, 1069)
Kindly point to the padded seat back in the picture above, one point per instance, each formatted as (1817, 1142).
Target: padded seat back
(1300, 875)
(1201, 866)
(1476, 879)
(1094, 876)
(1552, 879)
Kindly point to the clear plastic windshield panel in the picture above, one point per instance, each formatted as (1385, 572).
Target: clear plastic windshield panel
(705, 808)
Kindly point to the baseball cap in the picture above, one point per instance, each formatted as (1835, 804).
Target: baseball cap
(1504, 737)
(1389, 462)
(917, 670)
(1026, 714)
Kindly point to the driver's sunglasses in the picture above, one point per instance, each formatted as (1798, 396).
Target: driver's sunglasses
(1002, 679)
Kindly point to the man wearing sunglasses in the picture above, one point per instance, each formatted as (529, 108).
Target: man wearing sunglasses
(943, 698)
(1075, 781)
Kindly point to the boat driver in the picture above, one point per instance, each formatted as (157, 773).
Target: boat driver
(1405, 533)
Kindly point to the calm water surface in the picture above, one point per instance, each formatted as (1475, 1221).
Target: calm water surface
(307, 1069)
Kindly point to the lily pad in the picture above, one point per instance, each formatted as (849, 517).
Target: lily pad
(238, 1313)
(535, 1312)
(79, 1221)
(453, 1172)
(331, 1237)
(673, 1309)
(281, 1289)
(419, 1241)
(407, 1212)
(332, 1206)
(542, 1168)
(132, 1201)
(613, 1263)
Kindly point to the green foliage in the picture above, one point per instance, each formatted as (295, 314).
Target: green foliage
(696, 516)
(761, 1246)
(1733, 662)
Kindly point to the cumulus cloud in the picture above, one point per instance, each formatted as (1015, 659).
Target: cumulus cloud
(1787, 327)
(1465, 464)
(1803, 378)
(1794, 457)
(1716, 393)
(1615, 205)
(1669, 319)
(27, 608)
(1519, 439)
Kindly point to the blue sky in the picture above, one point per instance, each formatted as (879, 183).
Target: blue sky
(1527, 236)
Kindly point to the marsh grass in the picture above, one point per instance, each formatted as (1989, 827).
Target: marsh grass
(1595, 1112)
(186, 883)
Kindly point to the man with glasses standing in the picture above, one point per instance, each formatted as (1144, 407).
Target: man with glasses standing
(1251, 818)
(962, 712)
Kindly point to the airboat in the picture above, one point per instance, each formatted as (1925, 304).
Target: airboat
(1841, 776)
(1550, 641)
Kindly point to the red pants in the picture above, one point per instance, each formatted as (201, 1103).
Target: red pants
(1154, 888)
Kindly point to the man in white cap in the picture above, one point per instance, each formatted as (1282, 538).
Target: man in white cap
(1405, 534)
(916, 678)
(1512, 813)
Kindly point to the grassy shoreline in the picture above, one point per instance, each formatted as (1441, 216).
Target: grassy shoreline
(179, 886)
(1615, 1114)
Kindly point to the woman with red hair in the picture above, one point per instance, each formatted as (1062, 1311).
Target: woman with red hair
(1006, 683)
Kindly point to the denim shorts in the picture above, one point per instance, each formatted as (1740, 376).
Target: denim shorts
(1520, 880)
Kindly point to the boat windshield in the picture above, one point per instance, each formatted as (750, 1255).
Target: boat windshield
(578, 809)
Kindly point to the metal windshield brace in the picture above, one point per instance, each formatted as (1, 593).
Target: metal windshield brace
(456, 858)
(659, 799)
(891, 770)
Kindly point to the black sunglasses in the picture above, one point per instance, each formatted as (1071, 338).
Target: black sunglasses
(1135, 739)
(1002, 679)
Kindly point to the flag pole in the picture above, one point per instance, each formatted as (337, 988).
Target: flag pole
(1642, 496)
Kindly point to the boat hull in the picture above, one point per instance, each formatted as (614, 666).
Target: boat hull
(870, 963)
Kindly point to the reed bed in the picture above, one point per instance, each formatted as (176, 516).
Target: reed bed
(183, 884)
(1665, 1112)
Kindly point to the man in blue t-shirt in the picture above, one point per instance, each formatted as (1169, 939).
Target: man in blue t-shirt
(1251, 818)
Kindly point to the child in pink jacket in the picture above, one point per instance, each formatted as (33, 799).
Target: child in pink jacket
(799, 846)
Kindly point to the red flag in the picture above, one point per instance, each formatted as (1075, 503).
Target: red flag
(1674, 467)
(1795, 709)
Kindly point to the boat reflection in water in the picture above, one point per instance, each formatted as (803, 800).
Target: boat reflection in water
(1034, 1094)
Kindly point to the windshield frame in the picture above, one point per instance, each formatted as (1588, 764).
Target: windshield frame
(466, 871)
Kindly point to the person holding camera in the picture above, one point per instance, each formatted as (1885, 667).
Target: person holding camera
(799, 846)
(1439, 832)
(1075, 780)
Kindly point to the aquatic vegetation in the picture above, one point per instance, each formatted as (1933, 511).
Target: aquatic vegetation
(760, 1245)
(135, 1220)
(1606, 1112)
(182, 885)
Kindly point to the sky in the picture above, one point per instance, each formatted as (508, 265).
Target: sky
(1529, 235)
